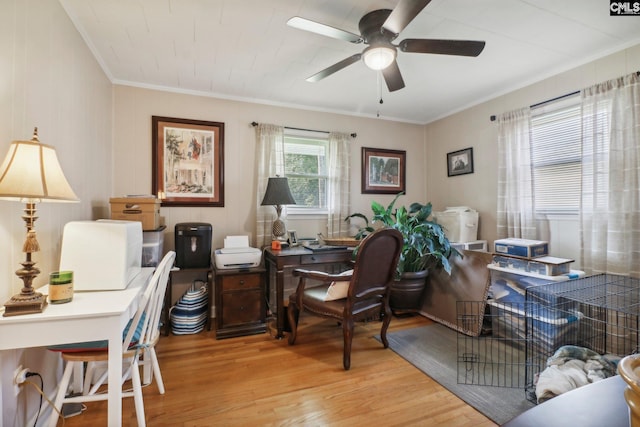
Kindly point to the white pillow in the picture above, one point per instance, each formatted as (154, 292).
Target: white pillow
(338, 289)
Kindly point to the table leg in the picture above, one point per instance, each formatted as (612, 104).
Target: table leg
(280, 303)
(210, 291)
(115, 377)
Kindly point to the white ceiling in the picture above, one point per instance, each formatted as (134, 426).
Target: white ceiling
(243, 50)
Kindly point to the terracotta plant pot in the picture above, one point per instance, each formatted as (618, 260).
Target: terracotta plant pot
(406, 293)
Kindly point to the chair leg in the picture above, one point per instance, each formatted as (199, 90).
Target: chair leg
(347, 331)
(137, 393)
(62, 392)
(156, 369)
(386, 320)
(147, 367)
(294, 314)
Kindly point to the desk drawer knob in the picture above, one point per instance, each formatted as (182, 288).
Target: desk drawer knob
(241, 282)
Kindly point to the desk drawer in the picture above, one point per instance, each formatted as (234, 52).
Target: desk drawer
(241, 308)
(240, 282)
(323, 258)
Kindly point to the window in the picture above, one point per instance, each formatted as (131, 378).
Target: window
(305, 165)
(556, 154)
(555, 157)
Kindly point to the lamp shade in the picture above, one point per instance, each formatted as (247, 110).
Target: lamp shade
(31, 172)
(278, 192)
(379, 57)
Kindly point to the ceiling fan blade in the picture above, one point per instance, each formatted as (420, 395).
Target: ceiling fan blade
(393, 77)
(335, 68)
(403, 14)
(442, 47)
(322, 29)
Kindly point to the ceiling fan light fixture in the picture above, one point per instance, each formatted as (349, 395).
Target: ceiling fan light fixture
(379, 57)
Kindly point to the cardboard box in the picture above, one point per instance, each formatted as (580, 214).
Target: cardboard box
(521, 247)
(143, 209)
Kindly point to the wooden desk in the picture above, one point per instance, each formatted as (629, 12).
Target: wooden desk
(90, 316)
(594, 405)
(279, 265)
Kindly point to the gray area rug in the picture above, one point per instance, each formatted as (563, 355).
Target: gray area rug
(433, 350)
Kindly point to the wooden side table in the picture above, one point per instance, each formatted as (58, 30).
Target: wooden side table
(240, 302)
(166, 322)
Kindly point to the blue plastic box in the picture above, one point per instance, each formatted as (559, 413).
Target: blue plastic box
(521, 247)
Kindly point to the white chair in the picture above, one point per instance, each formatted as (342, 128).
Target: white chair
(139, 337)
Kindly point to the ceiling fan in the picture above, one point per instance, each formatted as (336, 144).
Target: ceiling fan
(378, 29)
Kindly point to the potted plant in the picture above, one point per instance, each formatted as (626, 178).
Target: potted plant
(425, 247)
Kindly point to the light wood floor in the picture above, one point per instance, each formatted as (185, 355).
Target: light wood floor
(261, 381)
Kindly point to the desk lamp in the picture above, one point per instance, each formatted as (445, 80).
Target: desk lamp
(31, 174)
(278, 194)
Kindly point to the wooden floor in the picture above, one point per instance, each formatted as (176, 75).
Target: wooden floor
(261, 381)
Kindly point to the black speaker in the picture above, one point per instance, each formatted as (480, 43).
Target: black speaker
(193, 245)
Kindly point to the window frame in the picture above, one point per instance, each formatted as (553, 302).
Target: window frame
(315, 138)
(571, 106)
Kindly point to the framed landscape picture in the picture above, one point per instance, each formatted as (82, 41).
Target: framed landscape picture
(188, 162)
(383, 171)
(460, 162)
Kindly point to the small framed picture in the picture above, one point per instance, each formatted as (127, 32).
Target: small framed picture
(460, 162)
(293, 238)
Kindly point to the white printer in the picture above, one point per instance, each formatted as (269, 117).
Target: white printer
(237, 254)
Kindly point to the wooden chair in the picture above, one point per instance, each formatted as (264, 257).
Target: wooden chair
(368, 290)
(140, 335)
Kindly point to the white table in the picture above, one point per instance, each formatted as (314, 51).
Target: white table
(90, 316)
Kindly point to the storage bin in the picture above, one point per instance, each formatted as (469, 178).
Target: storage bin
(542, 329)
(152, 245)
(478, 245)
(521, 247)
(460, 224)
(546, 266)
(143, 209)
(510, 285)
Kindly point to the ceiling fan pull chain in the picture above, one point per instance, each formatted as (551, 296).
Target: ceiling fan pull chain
(379, 90)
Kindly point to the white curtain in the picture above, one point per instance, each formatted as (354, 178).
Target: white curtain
(269, 162)
(610, 211)
(516, 217)
(339, 199)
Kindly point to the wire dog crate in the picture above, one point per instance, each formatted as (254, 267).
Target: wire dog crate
(514, 331)
(497, 356)
(600, 312)
(609, 305)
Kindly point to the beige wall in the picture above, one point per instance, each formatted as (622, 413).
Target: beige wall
(132, 154)
(472, 128)
(48, 79)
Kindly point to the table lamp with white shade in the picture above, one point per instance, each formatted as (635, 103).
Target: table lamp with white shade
(31, 174)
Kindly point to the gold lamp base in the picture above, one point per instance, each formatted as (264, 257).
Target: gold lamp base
(25, 304)
(28, 301)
